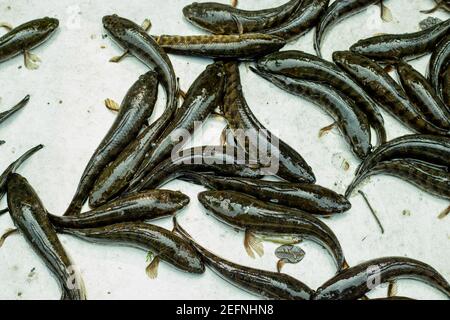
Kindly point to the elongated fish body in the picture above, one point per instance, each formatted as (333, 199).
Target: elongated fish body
(301, 21)
(380, 85)
(149, 205)
(220, 18)
(392, 47)
(14, 166)
(352, 122)
(30, 217)
(291, 165)
(307, 197)
(353, 283)
(6, 114)
(245, 46)
(439, 65)
(270, 285)
(220, 160)
(446, 87)
(249, 213)
(165, 244)
(428, 148)
(301, 65)
(338, 11)
(429, 178)
(136, 108)
(423, 96)
(26, 37)
(203, 97)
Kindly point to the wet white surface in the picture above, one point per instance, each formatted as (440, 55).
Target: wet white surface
(67, 115)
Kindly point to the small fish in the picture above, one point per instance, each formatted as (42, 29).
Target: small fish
(355, 282)
(439, 66)
(5, 115)
(30, 217)
(135, 109)
(26, 37)
(429, 22)
(270, 285)
(288, 254)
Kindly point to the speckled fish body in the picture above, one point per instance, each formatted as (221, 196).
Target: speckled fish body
(249, 213)
(149, 205)
(30, 217)
(351, 121)
(429, 178)
(308, 197)
(245, 46)
(423, 96)
(380, 85)
(301, 65)
(165, 244)
(291, 165)
(220, 18)
(439, 65)
(396, 46)
(212, 159)
(353, 283)
(267, 284)
(26, 37)
(14, 166)
(301, 21)
(338, 11)
(6, 114)
(135, 110)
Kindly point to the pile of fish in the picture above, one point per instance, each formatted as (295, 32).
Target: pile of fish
(122, 180)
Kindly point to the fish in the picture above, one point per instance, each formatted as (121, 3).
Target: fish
(263, 148)
(255, 216)
(423, 96)
(352, 122)
(311, 198)
(301, 21)
(243, 47)
(220, 18)
(301, 65)
(222, 160)
(26, 37)
(439, 65)
(14, 166)
(262, 283)
(6, 114)
(148, 205)
(430, 178)
(392, 47)
(164, 244)
(204, 95)
(380, 85)
(440, 4)
(30, 217)
(446, 87)
(355, 282)
(136, 108)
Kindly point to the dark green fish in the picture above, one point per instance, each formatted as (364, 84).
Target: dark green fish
(5, 115)
(439, 65)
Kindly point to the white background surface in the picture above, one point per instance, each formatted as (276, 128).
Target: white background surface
(67, 115)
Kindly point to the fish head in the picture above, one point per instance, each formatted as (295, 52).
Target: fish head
(117, 26)
(222, 204)
(206, 17)
(49, 24)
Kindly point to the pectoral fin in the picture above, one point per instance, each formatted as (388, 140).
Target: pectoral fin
(152, 268)
(6, 25)
(327, 129)
(280, 265)
(31, 60)
(392, 289)
(386, 13)
(112, 105)
(146, 25)
(253, 244)
(117, 59)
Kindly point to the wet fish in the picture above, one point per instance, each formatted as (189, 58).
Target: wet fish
(423, 96)
(270, 285)
(164, 244)
(245, 46)
(256, 216)
(439, 65)
(427, 177)
(6, 114)
(14, 166)
(446, 87)
(148, 205)
(355, 282)
(30, 217)
(298, 64)
(301, 21)
(392, 47)
(380, 85)
(136, 108)
(307, 197)
(220, 18)
(440, 4)
(352, 122)
(26, 37)
(263, 147)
